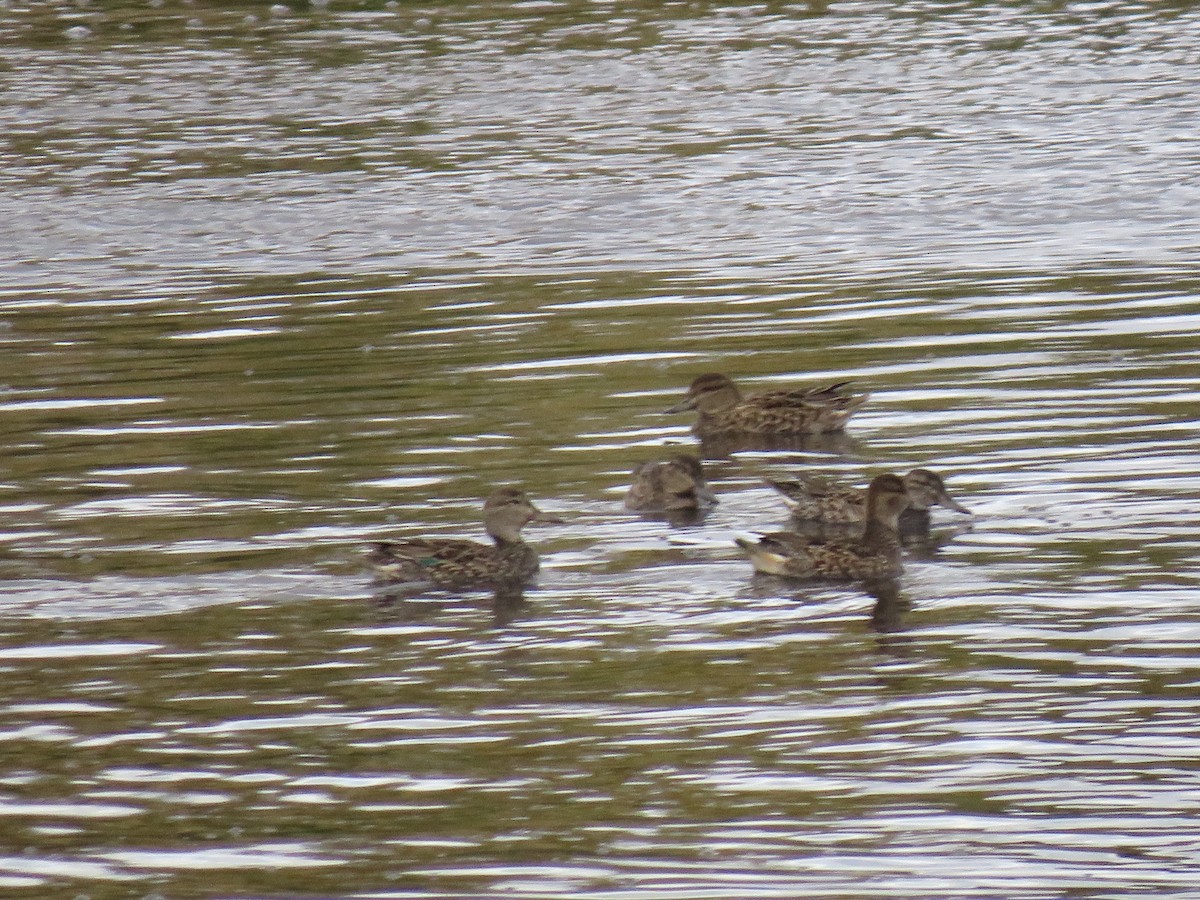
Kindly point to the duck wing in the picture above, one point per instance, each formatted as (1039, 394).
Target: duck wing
(806, 487)
(433, 559)
(833, 395)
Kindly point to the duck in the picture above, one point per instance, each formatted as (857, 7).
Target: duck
(873, 556)
(454, 562)
(800, 411)
(671, 485)
(814, 500)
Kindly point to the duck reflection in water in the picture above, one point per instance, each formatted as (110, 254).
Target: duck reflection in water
(724, 446)
(887, 615)
(507, 601)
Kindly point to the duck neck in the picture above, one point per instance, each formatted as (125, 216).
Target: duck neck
(880, 528)
(506, 538)
(879, 532)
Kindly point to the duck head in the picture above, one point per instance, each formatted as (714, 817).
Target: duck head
(887, 497)
(926, 489)
(708, 393)
(508, 510)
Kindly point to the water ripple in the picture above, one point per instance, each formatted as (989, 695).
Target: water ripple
(278, 286)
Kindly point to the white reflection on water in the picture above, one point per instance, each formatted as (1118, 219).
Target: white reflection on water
(263, 856)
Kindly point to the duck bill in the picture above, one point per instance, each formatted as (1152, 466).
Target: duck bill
(951, 503)
(682, 406)
(539, 516)
(705, 495)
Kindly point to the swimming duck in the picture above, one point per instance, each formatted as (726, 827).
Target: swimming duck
(676, 483)
(723, 409)
(813, 500)
(873, 556)
(452, 562)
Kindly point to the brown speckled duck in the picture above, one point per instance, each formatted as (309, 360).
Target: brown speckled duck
(723, 409)
(674, 484)
(452, 562)
(873, 556)
(815, 500)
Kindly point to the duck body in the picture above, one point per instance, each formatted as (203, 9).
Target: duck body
(802, 411)
(872, 556)
(448, 562)
(811, 499)
(672, 485)
(814, 500)
(456, 563)
(794, 555)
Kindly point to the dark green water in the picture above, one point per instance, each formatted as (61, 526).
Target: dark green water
(273, 287)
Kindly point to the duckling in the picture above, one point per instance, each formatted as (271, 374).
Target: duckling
(800, 411)
(676, 483)
(452, 562)
(874, 556)
(814, 500)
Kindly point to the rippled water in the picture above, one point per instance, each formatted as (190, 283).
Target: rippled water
(274, 282)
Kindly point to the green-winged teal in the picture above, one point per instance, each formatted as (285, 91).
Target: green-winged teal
(873, 556)
(723, 409)
(452, 562)
(815, 500)
(674, 484)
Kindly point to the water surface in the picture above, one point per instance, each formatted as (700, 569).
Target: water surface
(275, 282)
